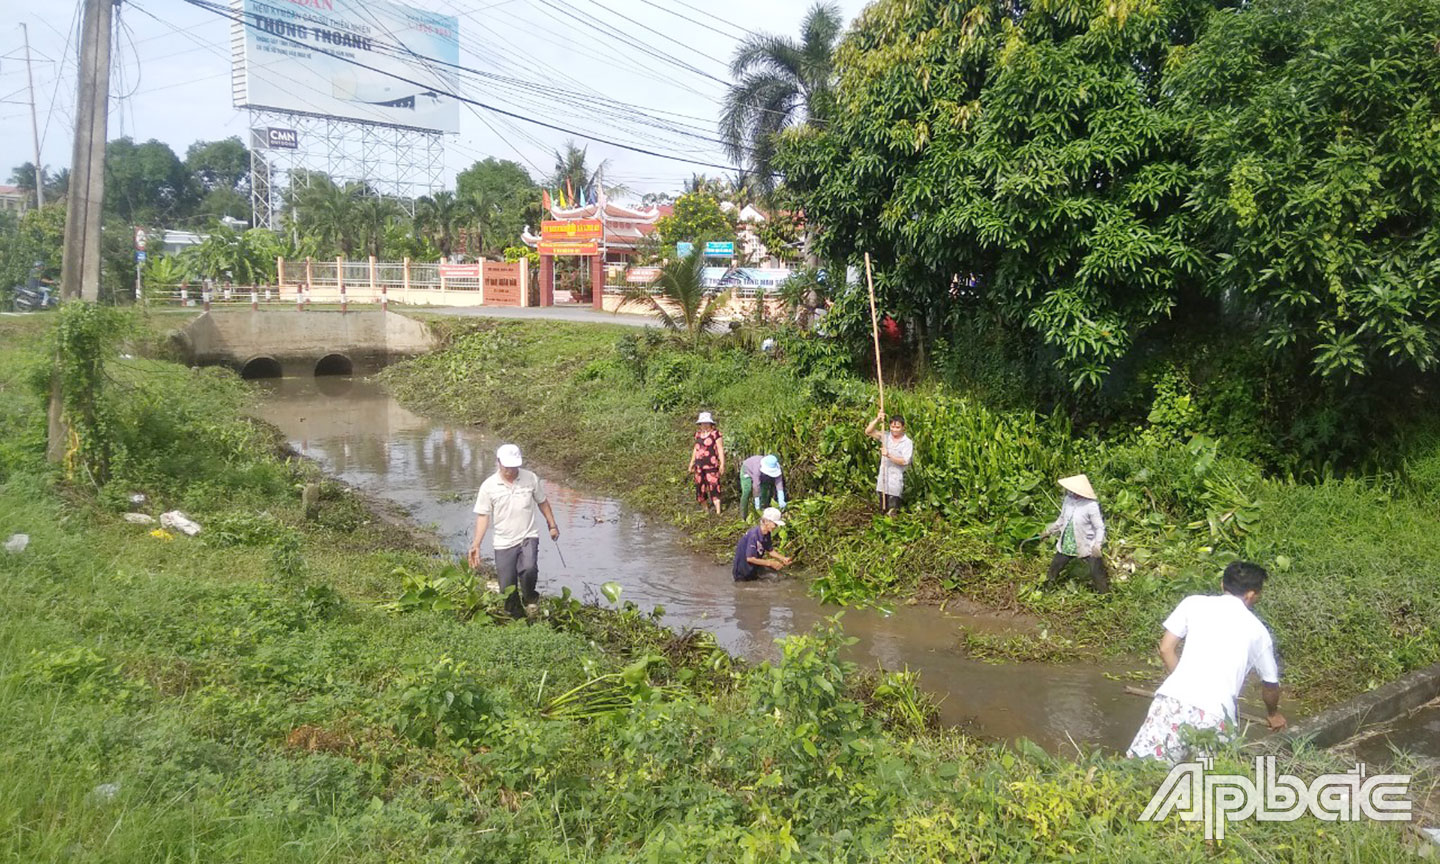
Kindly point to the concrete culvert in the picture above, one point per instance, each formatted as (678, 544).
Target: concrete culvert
(334, 364)
(261, 367)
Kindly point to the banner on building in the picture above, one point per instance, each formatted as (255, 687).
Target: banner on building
(575, 229)
(567, 247)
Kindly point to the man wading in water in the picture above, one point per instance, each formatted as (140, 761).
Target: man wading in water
(756, 549)
(510, 497)
(1223, 642)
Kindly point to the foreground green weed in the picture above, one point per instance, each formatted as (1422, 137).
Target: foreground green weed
(286, 690)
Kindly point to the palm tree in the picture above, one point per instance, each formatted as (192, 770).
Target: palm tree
(682, 284)
(780, 83)
(440, 217)
(480, 212)
(570, 166)
(373, 215)
(328, 212)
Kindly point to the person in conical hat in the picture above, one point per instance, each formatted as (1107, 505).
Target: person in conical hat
(1081, 530)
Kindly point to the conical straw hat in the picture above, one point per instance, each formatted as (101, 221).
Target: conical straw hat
(1079, 484)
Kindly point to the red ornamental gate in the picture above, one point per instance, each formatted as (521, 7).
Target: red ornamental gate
(580, 238)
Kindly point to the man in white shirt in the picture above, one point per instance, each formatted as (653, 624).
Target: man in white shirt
(1223, 642)
(509, 498)
(896, 452)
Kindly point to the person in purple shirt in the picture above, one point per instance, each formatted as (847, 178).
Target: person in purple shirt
(756, 549)
(761, 483)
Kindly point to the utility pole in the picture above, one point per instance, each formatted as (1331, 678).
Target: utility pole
(80, 270)
(80, 264)
(34, 126)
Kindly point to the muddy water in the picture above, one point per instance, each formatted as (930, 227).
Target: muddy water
(357, 432)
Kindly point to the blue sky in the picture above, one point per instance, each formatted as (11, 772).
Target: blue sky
(171, 77)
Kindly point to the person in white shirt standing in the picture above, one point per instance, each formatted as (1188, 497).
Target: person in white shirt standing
(509, 499)
(1223, 642)
(896, 453)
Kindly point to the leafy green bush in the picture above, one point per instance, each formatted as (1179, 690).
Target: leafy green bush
(442, 703)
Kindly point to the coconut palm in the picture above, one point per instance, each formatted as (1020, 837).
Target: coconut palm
(373, 215)
(572, 174)
(440, 217)
(328, 212)
(682, 284)
(480, 212)
(779, 83)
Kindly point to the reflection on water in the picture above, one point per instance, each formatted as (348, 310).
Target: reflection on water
(358, 433)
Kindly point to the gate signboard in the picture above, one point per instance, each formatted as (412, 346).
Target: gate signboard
(504, 284)
(568, 247)
(460, 271)
(573, 229)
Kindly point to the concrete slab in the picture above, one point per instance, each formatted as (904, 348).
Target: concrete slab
(1384, 703)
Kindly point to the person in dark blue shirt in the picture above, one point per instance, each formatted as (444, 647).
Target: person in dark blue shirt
(755, 550)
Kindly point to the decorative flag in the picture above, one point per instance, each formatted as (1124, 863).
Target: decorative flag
(569, 191)
(545, 200)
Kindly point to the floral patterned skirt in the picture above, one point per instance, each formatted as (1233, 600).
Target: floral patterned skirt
(1171, 729)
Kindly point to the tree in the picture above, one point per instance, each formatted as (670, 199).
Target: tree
(373, 215)
(146, 184)
(440, 217)
(780, 83)
(1020, 164)
(682, 285)
(223, 164)
(504, 200)
(1319, 179)
(329, 213)
(697, 218)
(573, 176)
(56, 185)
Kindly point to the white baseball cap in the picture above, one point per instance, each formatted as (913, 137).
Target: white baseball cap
(705, 418)
(508, 456)
(772, 514)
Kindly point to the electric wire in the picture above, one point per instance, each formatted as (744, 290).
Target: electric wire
(228, 14)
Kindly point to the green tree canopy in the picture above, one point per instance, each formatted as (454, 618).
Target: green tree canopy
(1317, 132)
(146, 184)
(1022, 155)
(697, 217)
(223, 164)
(504, 199)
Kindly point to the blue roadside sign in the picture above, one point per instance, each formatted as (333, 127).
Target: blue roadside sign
(720, 249)
(139, 255)
(683, 249)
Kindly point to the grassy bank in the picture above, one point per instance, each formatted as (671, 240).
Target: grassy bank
(284, 688)
(1355, 594)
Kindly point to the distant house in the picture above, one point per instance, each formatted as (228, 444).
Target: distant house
(13, 199)
(175, 242)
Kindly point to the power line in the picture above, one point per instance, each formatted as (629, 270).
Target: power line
(710, 27)
(226, 13)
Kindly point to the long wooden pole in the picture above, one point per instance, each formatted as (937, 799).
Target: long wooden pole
(875, 331)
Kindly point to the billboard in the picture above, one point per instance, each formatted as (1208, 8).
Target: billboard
(311, 56)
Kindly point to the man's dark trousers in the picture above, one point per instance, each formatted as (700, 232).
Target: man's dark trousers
(519, 566)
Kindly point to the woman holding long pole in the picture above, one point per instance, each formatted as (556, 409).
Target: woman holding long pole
(896, 448)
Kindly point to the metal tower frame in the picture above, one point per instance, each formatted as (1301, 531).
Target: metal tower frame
(396, 162)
